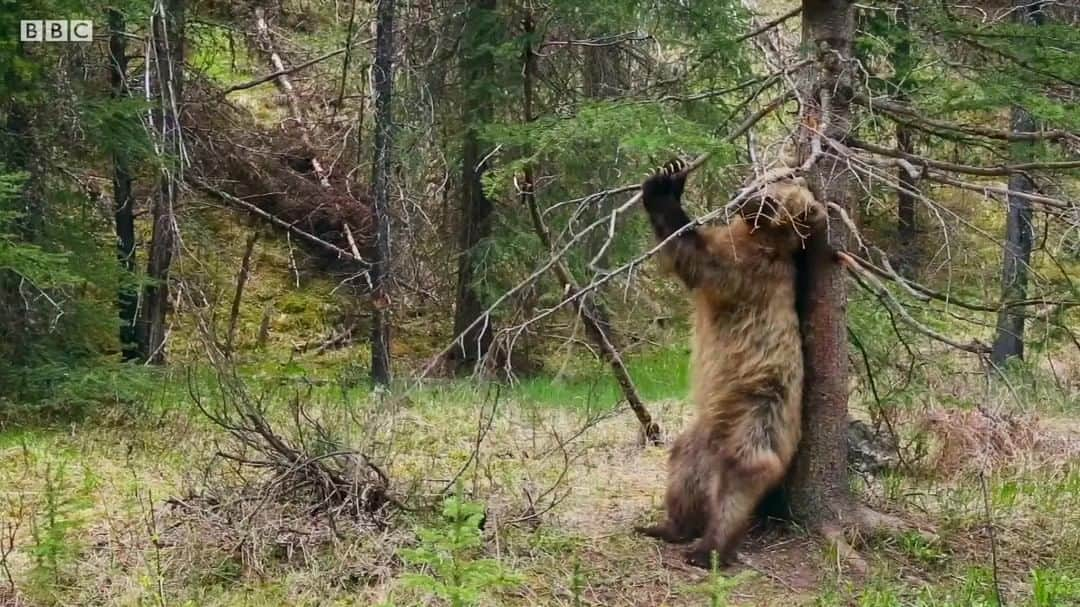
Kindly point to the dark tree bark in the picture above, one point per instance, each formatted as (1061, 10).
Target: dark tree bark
(478, 69)
(818, 488)
(907, 228)
(1019, 234)
(238, 294)
(383, 82)
(168, 66)
(127, 296)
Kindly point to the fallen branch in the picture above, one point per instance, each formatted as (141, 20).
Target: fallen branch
(286, 87)
(281, 72)
(281, 223)
(597, 324)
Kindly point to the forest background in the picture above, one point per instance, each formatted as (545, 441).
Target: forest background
(343, 302)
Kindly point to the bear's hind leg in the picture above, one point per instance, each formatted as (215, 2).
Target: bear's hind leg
(734, 493)
(685, 501)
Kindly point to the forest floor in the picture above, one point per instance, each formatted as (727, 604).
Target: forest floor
(100, 512)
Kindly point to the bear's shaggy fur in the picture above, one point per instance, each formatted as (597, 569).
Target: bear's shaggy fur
(747, 365)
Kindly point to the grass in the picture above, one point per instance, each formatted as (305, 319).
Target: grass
(88, 504)
(658, 375)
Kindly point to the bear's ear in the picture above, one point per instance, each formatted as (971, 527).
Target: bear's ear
(815, 213)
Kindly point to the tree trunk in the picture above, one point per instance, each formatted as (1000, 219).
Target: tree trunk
(168, 50)
(384, 142)
(818, 488)
(238, 294)
(907, 229)
(1019, 234)
(127, 296)
(478, 69)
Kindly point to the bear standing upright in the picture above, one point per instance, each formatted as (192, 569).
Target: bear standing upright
(746, 361)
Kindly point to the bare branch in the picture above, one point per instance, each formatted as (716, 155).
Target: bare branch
(281, 223)
(871, 283)
(281, 72)
(768, 25)
(985, 171)
(896, 109)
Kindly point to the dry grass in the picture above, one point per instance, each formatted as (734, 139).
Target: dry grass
(976, 439)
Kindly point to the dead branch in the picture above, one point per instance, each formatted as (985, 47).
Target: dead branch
(896, 109)
(286, 87)
(985, 171)
(922, 292)
(241, 280)
(596, 318)
(292, 229)
(1004, 191)
(871, 283)
(597, 324)
(281, 72)
(337, 481)
(768, 25)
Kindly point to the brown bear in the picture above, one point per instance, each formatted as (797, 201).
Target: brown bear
(746, 362)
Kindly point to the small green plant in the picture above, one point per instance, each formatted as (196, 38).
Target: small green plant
(577, 583)
(448, 559)
(717, 587)
(922, 549)
(54, 548)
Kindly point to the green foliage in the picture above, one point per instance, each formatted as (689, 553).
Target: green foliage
(717, 587)
(448, 558)
(115, 125)
(1016, 64)
(30, 262)
(59, 319)
(61, 516)
(645, 133)
(1051, 588)
(221, 55)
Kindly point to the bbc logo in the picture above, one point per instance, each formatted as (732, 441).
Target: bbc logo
(61, 30)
